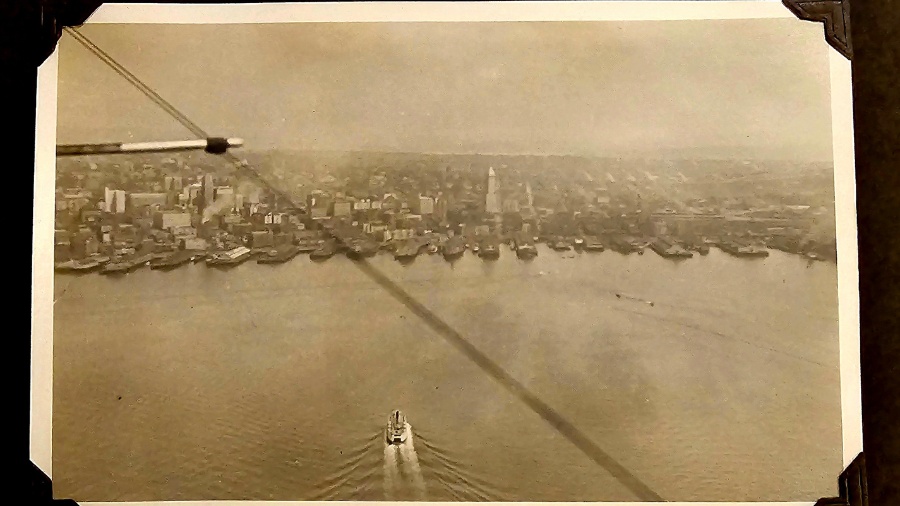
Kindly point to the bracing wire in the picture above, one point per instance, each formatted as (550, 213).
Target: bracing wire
(140, 85)
(168, 107)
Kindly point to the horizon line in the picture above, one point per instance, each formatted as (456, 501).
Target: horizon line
(624, 156)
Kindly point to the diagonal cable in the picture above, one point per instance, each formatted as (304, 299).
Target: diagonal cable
(137, 83)
(169, 108)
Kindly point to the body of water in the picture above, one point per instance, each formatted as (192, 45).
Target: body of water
(274, 382)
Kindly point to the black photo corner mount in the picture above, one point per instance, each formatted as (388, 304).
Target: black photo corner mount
(834, 14)
(55, 15)
(41, 489)
(852, 486)
(52, 17)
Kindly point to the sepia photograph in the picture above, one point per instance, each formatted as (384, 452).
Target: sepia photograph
(446, 260)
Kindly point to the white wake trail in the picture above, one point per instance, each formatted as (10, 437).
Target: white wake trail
(403, 478)
(410, 461)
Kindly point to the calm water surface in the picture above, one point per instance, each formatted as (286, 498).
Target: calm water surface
(275, 382)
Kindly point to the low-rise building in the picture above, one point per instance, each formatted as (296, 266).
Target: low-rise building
(167, 220)
(261, 239)
(138, 200)
(194, 243)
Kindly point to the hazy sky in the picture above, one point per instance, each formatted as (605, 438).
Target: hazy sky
(694, 87)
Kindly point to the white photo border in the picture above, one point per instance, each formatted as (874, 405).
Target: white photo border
(45, 163)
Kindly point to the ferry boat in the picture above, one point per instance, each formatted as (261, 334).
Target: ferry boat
(82, 265)
(325, 251)
(593, 244)
(397, 430)
(309, 245)
(408, 250)
(90, 263)
(525, 247)
(489, 248)
(667, 249)
(454, 247)
(625, 246)
(362, 248)
(126, 265)
(66, 266)
(229, 258)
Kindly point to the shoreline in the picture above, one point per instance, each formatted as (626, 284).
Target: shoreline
(63, 268)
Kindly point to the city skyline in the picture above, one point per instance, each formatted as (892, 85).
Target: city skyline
(584, 89)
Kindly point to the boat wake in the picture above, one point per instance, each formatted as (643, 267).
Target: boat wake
(356, 475)
(397, 474)
(632, 298)
(455, 479)
(403, 480)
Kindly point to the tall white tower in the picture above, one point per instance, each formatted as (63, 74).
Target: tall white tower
(492, 202)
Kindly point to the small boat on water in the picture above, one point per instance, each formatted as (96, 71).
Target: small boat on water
(397, 429)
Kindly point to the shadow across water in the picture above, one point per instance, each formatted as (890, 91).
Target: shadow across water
(542, 409)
